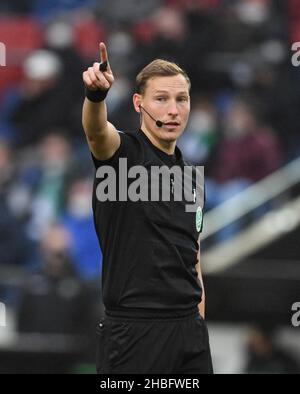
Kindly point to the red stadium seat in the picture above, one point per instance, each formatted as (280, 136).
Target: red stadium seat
(20, 35)
(143, 32)
(86, 33)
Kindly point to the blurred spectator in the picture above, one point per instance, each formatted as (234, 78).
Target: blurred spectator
(53, 300)
(265, 357)
(78, 220)
(14, 244)
(248, 150)
(60, 39)
(171, 40)
(253, 12)
(183, 36)
(42, 102)
(47, 182)
(242, 24)
(246, 154)
(122, 52)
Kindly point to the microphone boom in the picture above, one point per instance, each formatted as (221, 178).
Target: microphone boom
(158, 123)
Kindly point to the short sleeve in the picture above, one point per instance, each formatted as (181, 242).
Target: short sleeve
(129, 148)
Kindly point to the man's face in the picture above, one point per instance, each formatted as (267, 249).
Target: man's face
(166, 99)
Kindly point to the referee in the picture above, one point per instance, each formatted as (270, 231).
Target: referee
(151, 281)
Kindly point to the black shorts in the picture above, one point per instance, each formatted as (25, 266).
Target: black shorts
(158, 346)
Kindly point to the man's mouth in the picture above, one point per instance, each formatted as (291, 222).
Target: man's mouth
(172, 124)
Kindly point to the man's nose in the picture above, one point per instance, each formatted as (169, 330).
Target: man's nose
(173, 109)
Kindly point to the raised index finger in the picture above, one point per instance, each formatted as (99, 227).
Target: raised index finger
(103, 52)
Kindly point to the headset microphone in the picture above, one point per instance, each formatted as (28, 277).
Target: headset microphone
(158, 123)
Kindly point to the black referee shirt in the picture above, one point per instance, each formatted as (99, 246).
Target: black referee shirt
(149, 247)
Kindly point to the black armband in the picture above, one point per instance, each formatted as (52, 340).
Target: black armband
(96, 96)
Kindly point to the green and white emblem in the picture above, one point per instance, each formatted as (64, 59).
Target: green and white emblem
(198, 219)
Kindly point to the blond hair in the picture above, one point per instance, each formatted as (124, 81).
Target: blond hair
(158, 68)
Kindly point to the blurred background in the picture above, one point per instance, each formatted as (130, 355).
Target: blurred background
(244, 128)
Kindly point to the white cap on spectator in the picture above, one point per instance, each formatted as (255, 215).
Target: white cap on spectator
(60, 34)
(42, 64)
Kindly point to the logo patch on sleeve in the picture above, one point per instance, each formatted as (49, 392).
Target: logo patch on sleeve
(198, 219)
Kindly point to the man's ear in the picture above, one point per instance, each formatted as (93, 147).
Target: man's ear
(137, 101)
